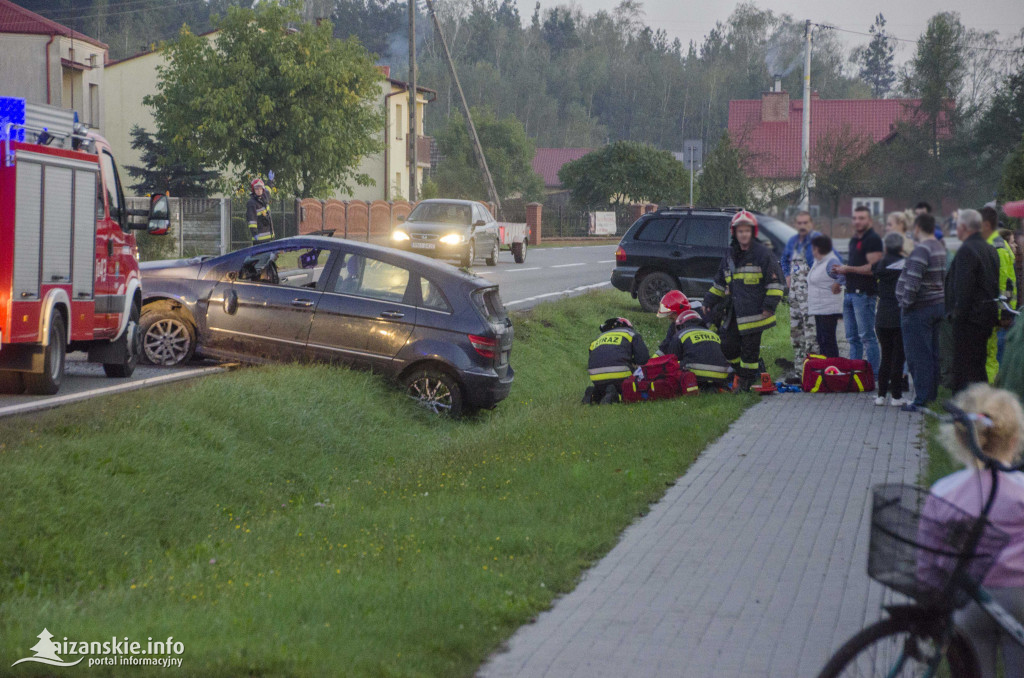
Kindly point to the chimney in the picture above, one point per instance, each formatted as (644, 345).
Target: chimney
(775, 105)
(778, 84)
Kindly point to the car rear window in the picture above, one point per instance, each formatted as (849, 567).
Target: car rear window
(489, 302)
(655, 230)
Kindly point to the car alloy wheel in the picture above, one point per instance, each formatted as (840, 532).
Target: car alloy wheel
(436, 391)
(167, 342)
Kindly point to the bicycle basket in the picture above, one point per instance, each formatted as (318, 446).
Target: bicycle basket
(918, 541)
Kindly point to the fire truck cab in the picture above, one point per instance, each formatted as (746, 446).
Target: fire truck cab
(69, 269)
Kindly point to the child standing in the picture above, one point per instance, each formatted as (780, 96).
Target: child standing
(887, 322)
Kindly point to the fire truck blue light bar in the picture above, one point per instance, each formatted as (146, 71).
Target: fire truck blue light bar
(12, 109)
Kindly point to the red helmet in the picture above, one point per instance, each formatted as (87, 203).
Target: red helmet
(743, 217)
(257, 182)
(672, 304)
(612, 323)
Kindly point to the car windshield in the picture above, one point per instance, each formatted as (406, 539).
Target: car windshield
(442, 213)
(779, 229)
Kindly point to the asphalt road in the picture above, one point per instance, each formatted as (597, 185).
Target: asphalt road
(547, 274)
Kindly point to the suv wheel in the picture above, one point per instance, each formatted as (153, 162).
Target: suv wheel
(652, 288)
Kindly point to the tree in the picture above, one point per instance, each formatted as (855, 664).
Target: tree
(1011, 187)
(936, 72)
(164, 170)
(509, 154)
(839, 164)
(876, 60)
(723, 180)
(266, 96)
(625, 172)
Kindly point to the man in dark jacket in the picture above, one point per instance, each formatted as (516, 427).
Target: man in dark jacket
(257, 213)
(613, 356)
(972, 283)
(699, 350)
(742, 300)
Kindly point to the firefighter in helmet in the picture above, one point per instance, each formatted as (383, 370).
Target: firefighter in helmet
(742, 300)
(698, 348)
(613, 356)
(670, 307)
(257, 213)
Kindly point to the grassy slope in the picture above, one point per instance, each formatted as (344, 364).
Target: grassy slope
(310, 521)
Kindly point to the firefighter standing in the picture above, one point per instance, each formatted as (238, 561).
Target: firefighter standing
(613, 356)
(257, 213)
(698, 348)
(747, 289)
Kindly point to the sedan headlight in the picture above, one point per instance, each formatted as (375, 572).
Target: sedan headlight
(399, 236)
(453, 239)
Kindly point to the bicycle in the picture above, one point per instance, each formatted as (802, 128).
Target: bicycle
(936, 554)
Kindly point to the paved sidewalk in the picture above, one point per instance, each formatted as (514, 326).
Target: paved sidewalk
(753, 564)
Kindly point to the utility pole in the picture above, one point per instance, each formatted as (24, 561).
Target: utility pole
(478, 150)
(691, 175)
(805, 164)
(413, 105)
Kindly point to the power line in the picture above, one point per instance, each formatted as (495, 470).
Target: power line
(72, 16)
(897, 39)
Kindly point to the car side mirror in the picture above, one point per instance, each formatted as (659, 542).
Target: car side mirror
(232, 276)
(479, 222)
(159, 215)
(401, 218)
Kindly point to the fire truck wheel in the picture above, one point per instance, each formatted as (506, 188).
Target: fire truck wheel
(50, 380)
(131, 341)
(168, 337)
(11, 383)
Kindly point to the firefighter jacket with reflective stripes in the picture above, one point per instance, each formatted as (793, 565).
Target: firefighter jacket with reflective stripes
(257, 216)
(1007, 274)
(615, 354)
(700, 351)
(752, 281)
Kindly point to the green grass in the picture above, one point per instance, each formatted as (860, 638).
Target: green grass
(310, 521)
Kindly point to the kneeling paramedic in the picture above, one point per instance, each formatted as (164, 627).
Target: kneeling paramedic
(699, 349)
(742, 301)
(670, 307)
(613, 356)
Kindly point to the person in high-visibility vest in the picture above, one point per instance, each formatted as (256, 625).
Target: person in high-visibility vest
(742, 300)
(1007, 286)
(698, 349)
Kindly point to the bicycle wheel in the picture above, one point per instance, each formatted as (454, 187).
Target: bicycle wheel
(899, 648)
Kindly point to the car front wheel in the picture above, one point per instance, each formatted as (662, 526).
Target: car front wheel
(435, 390)
(469, 255)
(652, 288)
(168, 337)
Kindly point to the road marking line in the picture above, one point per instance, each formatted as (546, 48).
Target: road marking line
(581, 288)
(48, 403)
(568, 265)
(607, 261)
(520, 270)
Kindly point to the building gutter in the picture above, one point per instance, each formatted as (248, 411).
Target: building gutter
(48, 43)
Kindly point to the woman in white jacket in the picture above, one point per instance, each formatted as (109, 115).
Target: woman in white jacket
(824, 294)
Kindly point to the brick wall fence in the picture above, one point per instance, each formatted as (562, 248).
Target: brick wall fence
(373, 221)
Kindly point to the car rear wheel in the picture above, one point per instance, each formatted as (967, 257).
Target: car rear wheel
(493, 259)
(652, 288)
(168, 337)
(470, 255)
(436, 390)
(519, 252)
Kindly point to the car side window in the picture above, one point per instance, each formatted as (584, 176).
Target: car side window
(431, 297)
(656, 230)
(365, 277)
(289, 267)
(707, 232)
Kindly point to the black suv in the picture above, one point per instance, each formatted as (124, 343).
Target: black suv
(681, 249)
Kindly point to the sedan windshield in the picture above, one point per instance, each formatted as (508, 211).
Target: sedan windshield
(442, 213)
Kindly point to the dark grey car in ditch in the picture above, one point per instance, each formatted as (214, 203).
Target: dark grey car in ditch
(680, 248)
(440, 332)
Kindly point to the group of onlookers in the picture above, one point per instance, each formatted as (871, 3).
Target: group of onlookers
(899, 295)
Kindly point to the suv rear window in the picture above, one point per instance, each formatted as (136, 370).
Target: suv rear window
(655, 230)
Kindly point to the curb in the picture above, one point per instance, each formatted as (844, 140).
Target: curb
(57, 401)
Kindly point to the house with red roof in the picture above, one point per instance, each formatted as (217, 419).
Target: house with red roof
(769, 130)
(547, 162)
(48, 63)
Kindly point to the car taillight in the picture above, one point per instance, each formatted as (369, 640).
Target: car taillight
(484, 345)
(620, 255)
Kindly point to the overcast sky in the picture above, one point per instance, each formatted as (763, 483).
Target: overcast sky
(692, 20)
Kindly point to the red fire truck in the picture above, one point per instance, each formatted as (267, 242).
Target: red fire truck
(69, 270)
